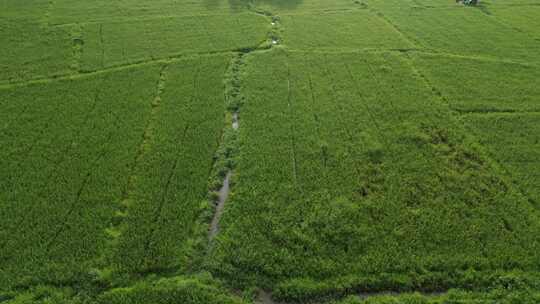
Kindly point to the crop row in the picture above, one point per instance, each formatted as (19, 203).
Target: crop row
(514, 140)
(67, 145)
(464, 31)
(352, 174)
(72, 148)
(112, 43)
(34, 50)
(171, 178)
(478, 85)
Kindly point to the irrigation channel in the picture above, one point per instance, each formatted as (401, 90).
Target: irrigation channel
(223, 193)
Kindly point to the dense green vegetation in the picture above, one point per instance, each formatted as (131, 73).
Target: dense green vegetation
(377, 151)
(383, 193)
(514, 140)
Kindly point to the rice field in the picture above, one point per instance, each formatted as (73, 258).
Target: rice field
(269, 151)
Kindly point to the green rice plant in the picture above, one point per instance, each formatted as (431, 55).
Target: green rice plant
(478, 85)
(181, 290)
(67, 147)
(353, 176)
(301, 6)
(170, 179)
(523, 17)
(15, 10)
(464, 31)
(30, 50)
(360, 29)
(117, 43)
(514, 141)
(73, 11)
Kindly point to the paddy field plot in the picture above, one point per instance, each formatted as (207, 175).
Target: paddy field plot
(269, 151)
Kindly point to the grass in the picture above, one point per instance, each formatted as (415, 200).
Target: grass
(387, 151)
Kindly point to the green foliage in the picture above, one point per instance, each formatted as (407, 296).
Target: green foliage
(67, 150)
(513, 140)
(116, 43)
(170, 291)
(163, 205)
(31, 51)
(373, 163)
(351, 176)
(477, 85)
(465, 31)
(355, 30)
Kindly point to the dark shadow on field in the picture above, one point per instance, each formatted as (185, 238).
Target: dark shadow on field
(280, 4)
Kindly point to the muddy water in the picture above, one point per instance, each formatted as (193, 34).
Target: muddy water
(235, 123)
(222, 197)
(224, 191)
